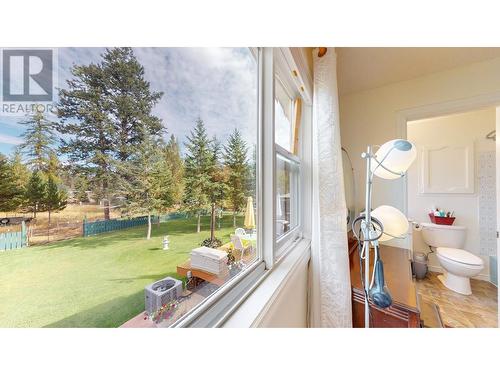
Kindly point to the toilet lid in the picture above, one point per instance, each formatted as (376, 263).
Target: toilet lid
(441, 226)
(460, 256)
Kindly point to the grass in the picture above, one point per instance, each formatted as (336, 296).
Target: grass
(94, 281)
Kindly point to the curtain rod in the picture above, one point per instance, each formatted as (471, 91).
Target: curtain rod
(322, 51)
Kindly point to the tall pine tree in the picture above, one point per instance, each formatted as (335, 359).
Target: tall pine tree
(217, 189)
(83, 113)
(252, 174)
(54, 167)
(131, 100)
(20, 175)
(81, 188)
(235, 160)
(55, 198)
(147, 185)
(197, 171)
(106, 110)
(35, 194)
(176, 166)
(9, 192)
(39, 139)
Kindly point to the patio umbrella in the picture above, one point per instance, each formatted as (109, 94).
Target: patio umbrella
(249, 215)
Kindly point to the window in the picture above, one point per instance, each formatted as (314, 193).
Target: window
(283, 110)
(191, 148)
(287, 174)
(287, 192)
(163, 182)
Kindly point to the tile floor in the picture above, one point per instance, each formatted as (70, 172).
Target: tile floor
(478, 310)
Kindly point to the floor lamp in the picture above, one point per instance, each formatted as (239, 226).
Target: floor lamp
(390, 161)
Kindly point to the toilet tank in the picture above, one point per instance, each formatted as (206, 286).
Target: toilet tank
(443, 235)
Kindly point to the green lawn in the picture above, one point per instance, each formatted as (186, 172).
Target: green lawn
(95, 281)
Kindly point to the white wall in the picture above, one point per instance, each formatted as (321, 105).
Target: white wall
(371, 116)
(280, 301)
(289, 308)
(450, 130)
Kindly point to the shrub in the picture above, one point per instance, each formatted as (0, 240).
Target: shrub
(213, 244)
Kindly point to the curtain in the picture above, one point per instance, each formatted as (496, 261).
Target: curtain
(330, 286)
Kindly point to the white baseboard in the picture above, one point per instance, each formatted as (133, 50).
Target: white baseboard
(481, 276)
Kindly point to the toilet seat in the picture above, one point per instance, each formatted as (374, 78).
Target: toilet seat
(460, 256)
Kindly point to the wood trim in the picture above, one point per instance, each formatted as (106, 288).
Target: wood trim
(297, 117)
(299, 73)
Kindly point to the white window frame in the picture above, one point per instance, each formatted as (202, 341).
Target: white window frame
(284, 242)
(285, 69)
(215, 309)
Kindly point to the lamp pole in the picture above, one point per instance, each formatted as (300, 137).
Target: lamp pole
(395, 165)
(366, 231)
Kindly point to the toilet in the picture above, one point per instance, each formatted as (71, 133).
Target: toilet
(459, 265)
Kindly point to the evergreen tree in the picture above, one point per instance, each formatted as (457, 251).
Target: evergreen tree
(36, 191)
(176, 166)
(235, 159)
(147, 185)
(130, 99)
(19, 169)
(107, 109)
(81, 188)
(217, 188)
(197, 171)
(54, 167)
(9, 193)
(20, 175)
(252, 175)
(83, 113)
(38, 140)
(55, 199)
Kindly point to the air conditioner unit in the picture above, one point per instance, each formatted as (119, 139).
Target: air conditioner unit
(161, 292)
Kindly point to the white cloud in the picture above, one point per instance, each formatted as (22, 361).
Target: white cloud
(10, 140)
(217, 84)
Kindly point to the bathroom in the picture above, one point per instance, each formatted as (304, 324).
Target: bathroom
(454, 176)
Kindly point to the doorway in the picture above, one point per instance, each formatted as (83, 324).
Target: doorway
(455, 176)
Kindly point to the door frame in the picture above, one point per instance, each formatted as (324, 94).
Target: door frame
(447, 108)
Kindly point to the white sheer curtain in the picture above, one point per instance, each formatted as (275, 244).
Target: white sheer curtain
(330, 286)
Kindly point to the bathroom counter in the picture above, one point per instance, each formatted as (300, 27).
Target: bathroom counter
(405, 311)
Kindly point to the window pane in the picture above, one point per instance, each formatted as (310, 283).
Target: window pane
(142, 186)
(286, 195)
(283, 109)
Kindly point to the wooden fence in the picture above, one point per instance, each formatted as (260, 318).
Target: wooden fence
(103, 226)
(14, 240)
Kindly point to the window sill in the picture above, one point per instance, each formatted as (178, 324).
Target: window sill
(253, 308)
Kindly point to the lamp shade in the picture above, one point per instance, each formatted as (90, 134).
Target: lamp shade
(394, 221)
(396, 155)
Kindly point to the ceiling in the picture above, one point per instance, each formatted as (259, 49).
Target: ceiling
(367, 68)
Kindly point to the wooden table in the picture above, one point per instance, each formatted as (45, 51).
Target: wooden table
(184, 268)
(220, 279)
(405, 310)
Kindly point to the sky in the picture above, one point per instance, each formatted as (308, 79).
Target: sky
(217, 84)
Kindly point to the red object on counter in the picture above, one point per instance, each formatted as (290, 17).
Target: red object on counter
(442, 220)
